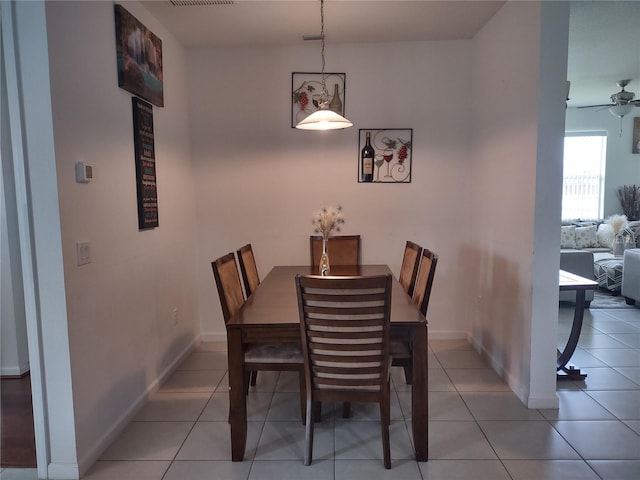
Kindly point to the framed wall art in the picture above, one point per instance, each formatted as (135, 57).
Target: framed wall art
(139, 58)
(636, 135)
(145, 153)
(392, 155)
(306, 89)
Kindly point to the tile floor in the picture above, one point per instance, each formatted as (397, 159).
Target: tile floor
(478, 429)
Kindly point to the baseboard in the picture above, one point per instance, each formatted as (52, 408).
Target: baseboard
(543, 402)
(521, 391)
(433, 335)
(214, 337)
(63, 471)
(119, 425)
(517, 387)
(446, 335)
(14, 370)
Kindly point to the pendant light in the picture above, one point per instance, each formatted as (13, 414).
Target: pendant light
(324, 118)
(621, 110)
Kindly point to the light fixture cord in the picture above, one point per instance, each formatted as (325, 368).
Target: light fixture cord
(620, 135)
(325, 93)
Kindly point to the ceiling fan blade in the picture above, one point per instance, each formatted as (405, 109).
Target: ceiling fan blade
(591, 106)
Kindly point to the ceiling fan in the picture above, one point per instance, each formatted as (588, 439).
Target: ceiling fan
(622, 102)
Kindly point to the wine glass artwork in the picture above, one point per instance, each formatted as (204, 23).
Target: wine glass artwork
(306, 88)
(393, 148)
(378, 163)
(387, 157)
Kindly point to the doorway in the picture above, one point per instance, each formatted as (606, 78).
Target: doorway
(17, 440)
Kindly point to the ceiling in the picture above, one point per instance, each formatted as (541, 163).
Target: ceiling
(604, 36)
(604, 46)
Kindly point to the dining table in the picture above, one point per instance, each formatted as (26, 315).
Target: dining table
(270, 314)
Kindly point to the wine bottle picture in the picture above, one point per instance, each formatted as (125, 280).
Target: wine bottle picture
(366, 160)
(336, 103)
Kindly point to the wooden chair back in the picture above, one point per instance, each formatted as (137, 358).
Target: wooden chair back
(227, 278)
(424, 281)
(342, 250)
(248, 269)
(261, 356)
(409, 268)
(344, 324)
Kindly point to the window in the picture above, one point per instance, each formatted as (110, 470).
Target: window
(583, 175)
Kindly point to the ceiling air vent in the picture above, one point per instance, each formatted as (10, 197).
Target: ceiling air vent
(198, 3)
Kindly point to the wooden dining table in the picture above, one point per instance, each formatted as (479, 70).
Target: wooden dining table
(270, 314)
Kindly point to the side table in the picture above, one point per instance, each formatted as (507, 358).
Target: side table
(569, 281)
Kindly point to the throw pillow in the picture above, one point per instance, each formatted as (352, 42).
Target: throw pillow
(605, 235)
(634, 226)
(586, 237)
(568, 236)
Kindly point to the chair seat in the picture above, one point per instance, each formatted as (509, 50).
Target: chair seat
(282, 352)
(399, 349)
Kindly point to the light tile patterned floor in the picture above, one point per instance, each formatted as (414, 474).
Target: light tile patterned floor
(478, 429)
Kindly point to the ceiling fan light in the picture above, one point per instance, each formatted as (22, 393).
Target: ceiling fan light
(620, 110)
(324, 119)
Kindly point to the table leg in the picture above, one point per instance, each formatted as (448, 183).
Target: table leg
(419, 393)
(572, 373)
(237, 398)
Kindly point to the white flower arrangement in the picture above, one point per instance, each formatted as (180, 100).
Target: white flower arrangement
(328, 220)
(618, 223)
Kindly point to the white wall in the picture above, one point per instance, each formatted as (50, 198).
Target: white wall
(503, 183)
(554, 39)
(122, 335)
(258, 180)
(472, 201)
(623, 167)
(228, 111)
(40, 257)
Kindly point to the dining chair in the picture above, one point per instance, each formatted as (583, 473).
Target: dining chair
(344, 324)
(409, 268)
(342, 250)
(248, 269)
(424, 281)
(401, 347)
(279, 356)
(251, 280)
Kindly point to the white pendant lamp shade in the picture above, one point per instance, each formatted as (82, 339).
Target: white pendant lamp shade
(324, 120)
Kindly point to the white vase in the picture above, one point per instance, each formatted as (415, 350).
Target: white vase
(617, 246)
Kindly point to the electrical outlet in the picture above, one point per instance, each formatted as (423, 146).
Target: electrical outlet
(174, 316)
(83, 253)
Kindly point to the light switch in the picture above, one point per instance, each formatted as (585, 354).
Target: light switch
(83, 253)
(84, 172)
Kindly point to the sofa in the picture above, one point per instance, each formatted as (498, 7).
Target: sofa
(631, 276)
(586, 250)
(578, 262)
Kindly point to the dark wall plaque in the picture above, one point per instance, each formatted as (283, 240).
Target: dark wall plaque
(145, 164)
